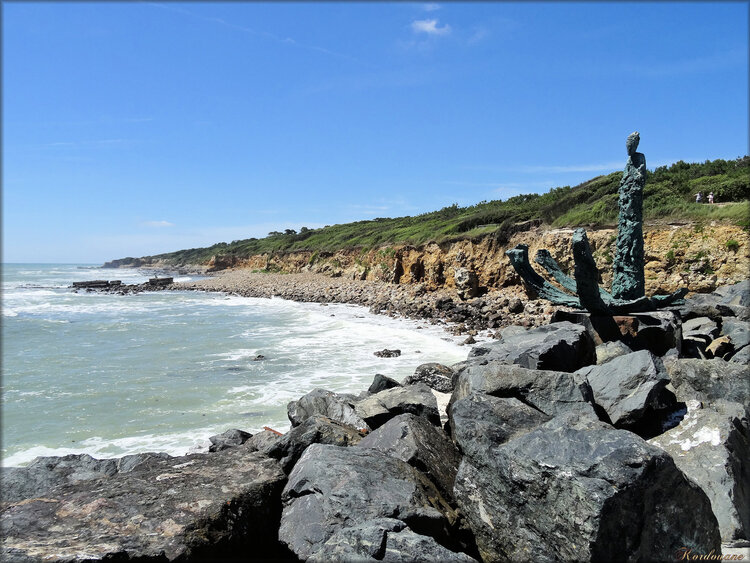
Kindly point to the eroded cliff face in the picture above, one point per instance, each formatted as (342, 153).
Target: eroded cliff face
(698, 257)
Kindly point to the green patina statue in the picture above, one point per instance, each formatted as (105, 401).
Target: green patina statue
(628, 283)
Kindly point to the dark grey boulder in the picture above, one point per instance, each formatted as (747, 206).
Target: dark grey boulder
(262, 441)
(381, 383)
(549, 392)
(422, 445)
(480, 422)
(386, 353)
(331, 489)
(46, 473)
(384, 539)
(228, 439)
(737, 294)
(738, 332)
(579, 490)
(709, 380)
(197, 507)
(629, 388)
(314, 430)
(610, 350)
(434, 375)
(742, 357)
(712, 447)
(709, 305)
(561, 346)
(326, 403)
(417, 399)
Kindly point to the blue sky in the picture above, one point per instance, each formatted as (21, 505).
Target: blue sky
(132, 129)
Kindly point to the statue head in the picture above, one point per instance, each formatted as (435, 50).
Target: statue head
(632, 143)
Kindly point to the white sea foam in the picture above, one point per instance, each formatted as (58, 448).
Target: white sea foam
(163, 371)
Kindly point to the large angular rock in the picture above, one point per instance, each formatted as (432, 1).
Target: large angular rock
(549, 392)
(228, 439)
(578, 490)
(742, 357)
(467, 283)
(417, 399)
(480, 422)
(46, 473)
(737, 294)
(384, 539)
(709, 380)
(435, 376)
(712, 447)
(380, 383)
(629, 388)
(331, 489)
(263, 441)
(314, 430)
(561, 346)
(737, 331)
(325, 403)
(420, 444)
(196, 507)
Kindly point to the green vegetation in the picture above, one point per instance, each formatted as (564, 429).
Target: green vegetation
(669, 196)
(732, 245)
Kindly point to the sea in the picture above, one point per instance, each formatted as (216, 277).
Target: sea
(111, 375)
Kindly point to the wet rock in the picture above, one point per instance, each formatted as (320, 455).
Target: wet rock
(416, 399)
(384, 539)
(712, 447)
(190, 508)
(629, 388)
(518, 499)
(386, 353)
(326, 403)
(549, 392)
(381, 383)
(561, 346)
(709, 380)
(314, 430)
(420, 444)
(232, 437)
(611, 350)
(331, 489)
(434, 375)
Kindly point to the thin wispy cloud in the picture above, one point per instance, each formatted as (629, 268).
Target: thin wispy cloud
(430, 27)
(594, 167)
(158, 224)
(256, 32)
(430, 7)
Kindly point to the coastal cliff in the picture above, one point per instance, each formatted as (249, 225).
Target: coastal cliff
(700, 257)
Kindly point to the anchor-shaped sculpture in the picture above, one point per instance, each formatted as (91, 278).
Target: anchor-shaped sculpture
(628, 283)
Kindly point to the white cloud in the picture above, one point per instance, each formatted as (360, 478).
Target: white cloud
(430, 7)
(158, 224)
(430, 27)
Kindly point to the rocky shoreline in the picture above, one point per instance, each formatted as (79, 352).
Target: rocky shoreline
(559, 443)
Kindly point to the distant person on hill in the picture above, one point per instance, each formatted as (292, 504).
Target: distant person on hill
(711, 197)
(698, 197)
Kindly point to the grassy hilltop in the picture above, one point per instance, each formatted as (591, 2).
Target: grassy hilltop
(669, 196)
